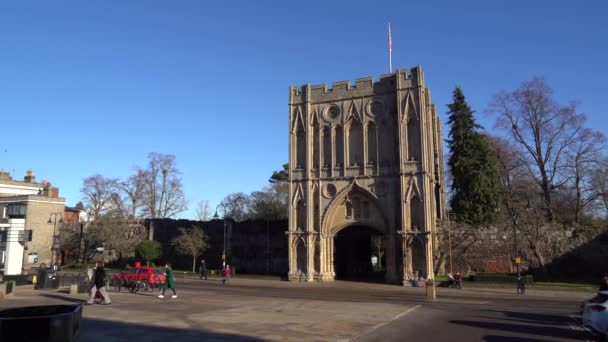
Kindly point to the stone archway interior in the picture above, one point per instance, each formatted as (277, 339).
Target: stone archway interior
(356, 256)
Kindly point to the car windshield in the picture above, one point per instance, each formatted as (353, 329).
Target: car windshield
(158, 271)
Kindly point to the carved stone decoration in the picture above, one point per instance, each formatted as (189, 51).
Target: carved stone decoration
(375, 108)
(332, 112)
(329, 191)
(348, 203)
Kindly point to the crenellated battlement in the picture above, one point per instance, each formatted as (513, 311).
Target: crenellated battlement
(365, 86)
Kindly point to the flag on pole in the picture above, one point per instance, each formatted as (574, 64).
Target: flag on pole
(390, 50)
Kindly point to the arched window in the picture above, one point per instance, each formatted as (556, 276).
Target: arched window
(301, 215)
(372, 148)
(386, 149)
(339, 145)
(355, 143)
(413, 140)
(300, 148)
(416, 213)
(315, 149)
(326, 147)
(301, 256)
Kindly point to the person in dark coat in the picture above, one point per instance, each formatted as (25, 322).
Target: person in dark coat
(169, 281)
(203, 270)
(99, 285)
(521, 286)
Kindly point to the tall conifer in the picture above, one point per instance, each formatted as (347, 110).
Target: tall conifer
(475, 187)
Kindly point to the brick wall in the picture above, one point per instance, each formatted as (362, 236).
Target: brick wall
(38, 213)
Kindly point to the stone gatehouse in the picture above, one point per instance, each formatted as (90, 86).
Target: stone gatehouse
(366, 169)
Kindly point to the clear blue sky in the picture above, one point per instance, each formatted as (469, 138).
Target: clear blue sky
(92, 86)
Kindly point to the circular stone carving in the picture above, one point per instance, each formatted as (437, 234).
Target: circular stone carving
(332, 112)
(375, 108)
(329, 191)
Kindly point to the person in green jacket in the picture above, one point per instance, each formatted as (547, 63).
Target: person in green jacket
(169, 282)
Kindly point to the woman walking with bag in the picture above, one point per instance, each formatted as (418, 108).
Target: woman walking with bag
(169, 282)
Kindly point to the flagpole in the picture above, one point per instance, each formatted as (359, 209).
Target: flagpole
(390, 50)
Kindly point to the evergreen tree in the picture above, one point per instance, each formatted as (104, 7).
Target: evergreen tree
(475, 187)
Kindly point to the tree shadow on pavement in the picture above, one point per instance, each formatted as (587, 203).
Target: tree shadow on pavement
(530, 318)
(63, 298)
(553, 326)
(93, 330)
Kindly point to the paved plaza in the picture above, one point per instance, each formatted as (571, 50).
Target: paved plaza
(273, 310)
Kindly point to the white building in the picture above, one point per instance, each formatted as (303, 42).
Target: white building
(26, 236)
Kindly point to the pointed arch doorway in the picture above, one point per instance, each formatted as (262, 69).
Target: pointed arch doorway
(360, 254)
(356, 244)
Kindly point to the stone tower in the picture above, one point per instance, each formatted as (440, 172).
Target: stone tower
(364, 159)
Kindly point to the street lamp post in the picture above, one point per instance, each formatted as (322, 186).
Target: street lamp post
(215, 216)
(516, 238)
(450, 241)
(53, 219)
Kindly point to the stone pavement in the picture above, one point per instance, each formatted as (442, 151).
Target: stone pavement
(265, 309)
(207, 310)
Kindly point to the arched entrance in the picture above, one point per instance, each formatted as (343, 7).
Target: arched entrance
(359, 254)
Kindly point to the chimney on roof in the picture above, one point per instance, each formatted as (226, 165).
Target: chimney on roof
(29, 177)
(47, 190)
(5, 175)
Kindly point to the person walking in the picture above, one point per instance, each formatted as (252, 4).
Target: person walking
(226, 274)
(169, 281)
(98, 284)
(521, 285)
(203, 270)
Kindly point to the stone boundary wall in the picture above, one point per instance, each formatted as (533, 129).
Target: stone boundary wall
(254, 247)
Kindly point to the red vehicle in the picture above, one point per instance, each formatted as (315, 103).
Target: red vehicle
(139, 278)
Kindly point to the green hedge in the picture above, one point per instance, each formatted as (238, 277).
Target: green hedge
(499, 278)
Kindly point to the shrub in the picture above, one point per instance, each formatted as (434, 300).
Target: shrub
(149, 250)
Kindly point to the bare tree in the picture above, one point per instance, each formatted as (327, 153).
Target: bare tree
(378, 241)
(511, 169)
(117, 235)
(542, 129)
(203, 211)
(600, 182)
(583, 156)
(98, 195)
(132, 191)
(527, 223)
(271, 202)
(191, 241)
(236, 206)
(455, 238)
(163, 193)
